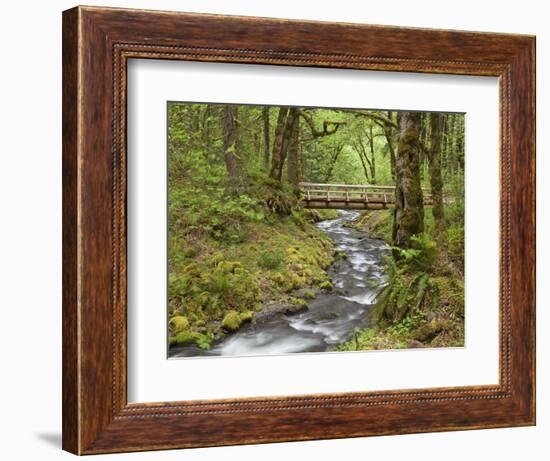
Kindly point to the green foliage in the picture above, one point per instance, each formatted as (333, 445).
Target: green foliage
(271, 260)
(421, 256)
(455, 241)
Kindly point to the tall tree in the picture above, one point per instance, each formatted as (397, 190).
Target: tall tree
(278, 142)
(437, 123)
(294, 164)
(366, 154)
(332, 161)
(230, 135)
(265, 117)
(388, 132)
(408, 217)
(283, 132)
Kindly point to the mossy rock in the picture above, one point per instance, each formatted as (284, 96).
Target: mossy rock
(246, 316)
(427, 332)
(187, 337)
(326, 285)
(171, 340)
(298, 301)
(232, 321)
(178, 323)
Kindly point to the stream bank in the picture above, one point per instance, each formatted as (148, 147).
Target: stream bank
(326, 321)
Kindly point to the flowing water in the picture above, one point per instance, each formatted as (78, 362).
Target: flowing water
(331, 318)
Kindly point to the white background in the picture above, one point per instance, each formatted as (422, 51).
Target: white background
(30, 244)
(153, 378)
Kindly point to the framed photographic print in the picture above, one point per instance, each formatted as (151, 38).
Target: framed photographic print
(285, 230)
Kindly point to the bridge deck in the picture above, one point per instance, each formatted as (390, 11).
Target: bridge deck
(349, 196)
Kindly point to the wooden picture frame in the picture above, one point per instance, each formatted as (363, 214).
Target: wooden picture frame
(97, 43)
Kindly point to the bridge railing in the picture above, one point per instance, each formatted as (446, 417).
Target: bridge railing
(351, 193)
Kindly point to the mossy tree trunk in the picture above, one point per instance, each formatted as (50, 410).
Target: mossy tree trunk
(372, 162)
(332, 163)
(437, 122)
(388, 133)
(293, 166)
(408, 217)
(283, 133)
(230, 135)
(265, 118)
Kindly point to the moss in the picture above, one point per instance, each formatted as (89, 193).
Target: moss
(171, 340)
(327, 214)
(298, 301)
(377, 223)
(246, 316)
(309, 294)
(232, 321)
(427, 332)
(192, 337)
(326, 285)
(178, 323)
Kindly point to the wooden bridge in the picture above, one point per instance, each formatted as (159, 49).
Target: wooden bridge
(350, 197)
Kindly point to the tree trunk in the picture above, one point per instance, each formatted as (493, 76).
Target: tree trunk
(332, 164)
(388, 132)
(293, 166)
(460, 141)
(408, 217)
(372, 163)
(278, 141)
(436, 181)
(230, 134)
(265, 116)
(285, 124)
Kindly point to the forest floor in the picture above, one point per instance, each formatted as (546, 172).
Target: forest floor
(423, 303)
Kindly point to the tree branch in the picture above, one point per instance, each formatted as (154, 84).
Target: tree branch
(326, 125)
(373, 116)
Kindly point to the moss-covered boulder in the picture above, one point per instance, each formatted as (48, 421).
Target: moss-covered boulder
(429, 331)
(192, 337)
(326, 285)
(232, 321)
(246, 316)
(178, 323)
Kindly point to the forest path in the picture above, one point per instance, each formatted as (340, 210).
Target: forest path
(331, 318)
